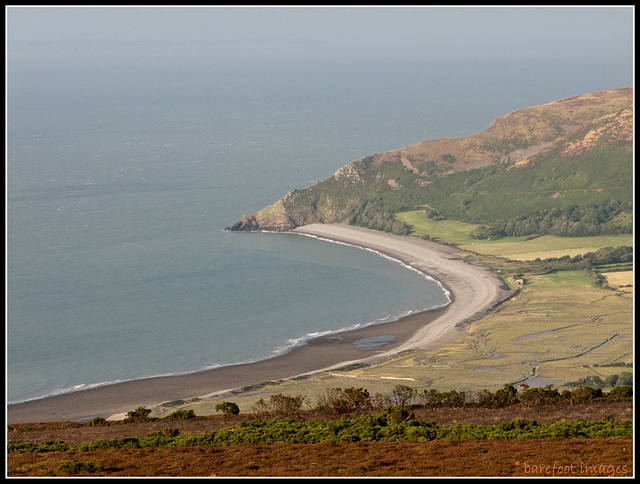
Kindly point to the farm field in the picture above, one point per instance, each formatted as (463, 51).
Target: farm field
(515, 248)
(622, 280)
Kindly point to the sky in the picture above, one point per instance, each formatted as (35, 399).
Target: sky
(316, 31)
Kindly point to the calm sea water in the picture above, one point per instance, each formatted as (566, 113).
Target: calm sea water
(120, 182)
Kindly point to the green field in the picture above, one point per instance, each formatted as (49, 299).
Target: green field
(515, 248)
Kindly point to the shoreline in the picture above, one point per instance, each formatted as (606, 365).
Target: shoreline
(471, 289)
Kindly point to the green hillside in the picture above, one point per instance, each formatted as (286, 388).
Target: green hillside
(575, 152)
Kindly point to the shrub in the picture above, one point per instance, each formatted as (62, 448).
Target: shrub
(181, 415)
(402, 395)
(394, 424)
(507, 395)
(159, 438)
(339, 401)
(53, 446)
(503, 397)
(539, 396)
(621, 392)
(380, 401)
(434, 214)
(74, 466)
(397, 414)
(228, 409)
(453, 399)
(97, 421)
(165, 432)
(140, 414)
(22, 447)
(281, 405)
(117, 443)
(585, 395)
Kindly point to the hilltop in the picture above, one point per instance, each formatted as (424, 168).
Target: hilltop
(572, 152)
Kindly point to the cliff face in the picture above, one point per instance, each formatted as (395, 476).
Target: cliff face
(370, 190)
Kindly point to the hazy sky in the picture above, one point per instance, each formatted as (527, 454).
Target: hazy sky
(432, 32)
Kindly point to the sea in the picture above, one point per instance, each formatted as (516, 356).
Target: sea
(121, 178)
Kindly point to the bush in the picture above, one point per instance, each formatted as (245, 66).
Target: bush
(339, 401)
(281, 405)
(74, 466)
(585, 395)
(140, 414)
(228, 409)
(181, 415)
(117, 443)
(503, 397)
(539, 396)
(97, 421)
(621, 392)
(394, 424)
(46, 446)
(402, 395)
(453, 399)
(165, 432)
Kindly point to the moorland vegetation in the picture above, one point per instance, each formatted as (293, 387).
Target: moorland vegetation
(352, 415)
(346, 432)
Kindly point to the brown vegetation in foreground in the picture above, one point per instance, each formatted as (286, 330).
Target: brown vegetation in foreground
(514, 457)
(520, 457)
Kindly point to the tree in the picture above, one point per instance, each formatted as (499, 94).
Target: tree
(228, 409)
(140, 414)
(339, 401)
(402, 395)
(281, 405)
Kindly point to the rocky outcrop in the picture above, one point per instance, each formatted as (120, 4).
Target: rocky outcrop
(249, 223)
(273, 218)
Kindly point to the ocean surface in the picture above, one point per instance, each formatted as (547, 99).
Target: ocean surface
(121, 179)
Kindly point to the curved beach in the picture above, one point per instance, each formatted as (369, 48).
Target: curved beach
(472, 290)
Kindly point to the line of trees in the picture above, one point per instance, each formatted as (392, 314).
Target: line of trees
(373, 216)
(357, 400)
(606, 218)
(338, 401)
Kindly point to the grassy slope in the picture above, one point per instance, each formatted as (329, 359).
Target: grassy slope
(574, 151)
(547, 182)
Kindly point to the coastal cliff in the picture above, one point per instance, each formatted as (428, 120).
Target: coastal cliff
(574, 151)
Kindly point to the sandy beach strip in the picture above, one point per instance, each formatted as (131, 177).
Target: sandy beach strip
(472, 289)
